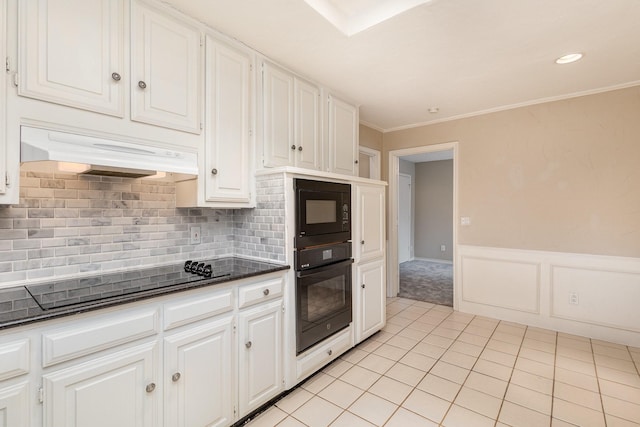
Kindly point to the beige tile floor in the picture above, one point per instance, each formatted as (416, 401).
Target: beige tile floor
(432, 366)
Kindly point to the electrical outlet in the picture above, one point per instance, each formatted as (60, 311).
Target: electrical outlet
(195, 235)
(573, 298)
(443, 248)
(465, 220)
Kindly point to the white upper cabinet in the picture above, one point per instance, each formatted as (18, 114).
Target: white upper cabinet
(291, 120)
(165, 70)
(343, 137)
(277, 114)
(3, 103)
(307, 125)
(227, 122)
(72, 53)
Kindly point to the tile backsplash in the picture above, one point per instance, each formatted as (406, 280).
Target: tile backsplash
(69, 224)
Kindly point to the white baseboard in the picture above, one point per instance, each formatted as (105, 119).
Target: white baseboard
(541, 289)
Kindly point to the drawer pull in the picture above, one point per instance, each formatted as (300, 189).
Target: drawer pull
(266, 292)
(214, 171)
(142, 85)
(330, 352)
(363, 286)
(293, 147)
(175, 377)
(150, 387)
(116, 76)
(248, 344)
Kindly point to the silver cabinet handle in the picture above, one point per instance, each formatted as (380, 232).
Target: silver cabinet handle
(150, 387)
(214, 171)
(142, 85)
(300, 148)
(293, 147)
(248, 344)
(330, 352)
(116, 76)
(175, 377)
(265, 292)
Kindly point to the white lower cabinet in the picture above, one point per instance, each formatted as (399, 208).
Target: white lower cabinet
(198, 375)
(370, 299)
(14, 405)
(121, 388)
(259, 355)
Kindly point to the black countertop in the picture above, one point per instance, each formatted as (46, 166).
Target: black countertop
(21, 305)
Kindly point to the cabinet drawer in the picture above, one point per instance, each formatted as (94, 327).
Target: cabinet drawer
(108, 331)
(14, 358)
(197, 307)
(259, 292)
(325, 353)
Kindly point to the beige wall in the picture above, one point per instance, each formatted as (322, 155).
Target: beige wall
(370, 138)
(561, 176)
(434, 210)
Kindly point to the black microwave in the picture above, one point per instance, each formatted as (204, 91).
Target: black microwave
(323, 212)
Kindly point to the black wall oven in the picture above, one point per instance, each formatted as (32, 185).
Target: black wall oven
(323, 260)
(323, 293)
(323, 212)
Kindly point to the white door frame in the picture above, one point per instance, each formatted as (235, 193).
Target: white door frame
(411, 224)
(393, 285)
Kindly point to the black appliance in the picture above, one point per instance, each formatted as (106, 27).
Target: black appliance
(323, 212)
(323, 292)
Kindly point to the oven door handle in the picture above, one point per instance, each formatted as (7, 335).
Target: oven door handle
(319, 270)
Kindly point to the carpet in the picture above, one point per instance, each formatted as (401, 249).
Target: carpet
(427, 281)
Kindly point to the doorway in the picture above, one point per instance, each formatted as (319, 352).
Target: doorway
(405, 219)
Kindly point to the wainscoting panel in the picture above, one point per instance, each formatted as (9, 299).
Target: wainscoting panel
(596, 296)
(588, 295)
(501, 282)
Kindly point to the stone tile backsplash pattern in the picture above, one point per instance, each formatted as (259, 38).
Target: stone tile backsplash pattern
(69, 224)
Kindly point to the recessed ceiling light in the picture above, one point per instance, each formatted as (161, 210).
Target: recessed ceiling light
(569, 58)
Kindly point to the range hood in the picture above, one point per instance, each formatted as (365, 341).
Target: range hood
(103, 156)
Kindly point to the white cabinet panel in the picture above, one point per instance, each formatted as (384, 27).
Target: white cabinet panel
(227, 146)
(165, 69)
(72, 53)
(259, 355)
(198, 376)
(307, 125)
(370, 222)
(279, 145)
(120, 389)
(343, 137)
(14, 405)
(370, 299)
(14, 358)
(3, 101)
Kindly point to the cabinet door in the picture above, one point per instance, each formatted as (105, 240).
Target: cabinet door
(228, 96)
(370, 227)
(14, 405)
(3, 101)
(120, 389)
(370, 299)
(198, 376)
(72, 53)
(165, 70)
(260, 355)
(307, 125)
(343, 137)
(277, 110)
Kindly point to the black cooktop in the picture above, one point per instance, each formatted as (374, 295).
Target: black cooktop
(80, 291)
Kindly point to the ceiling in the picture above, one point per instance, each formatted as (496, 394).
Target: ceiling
(462, 57)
